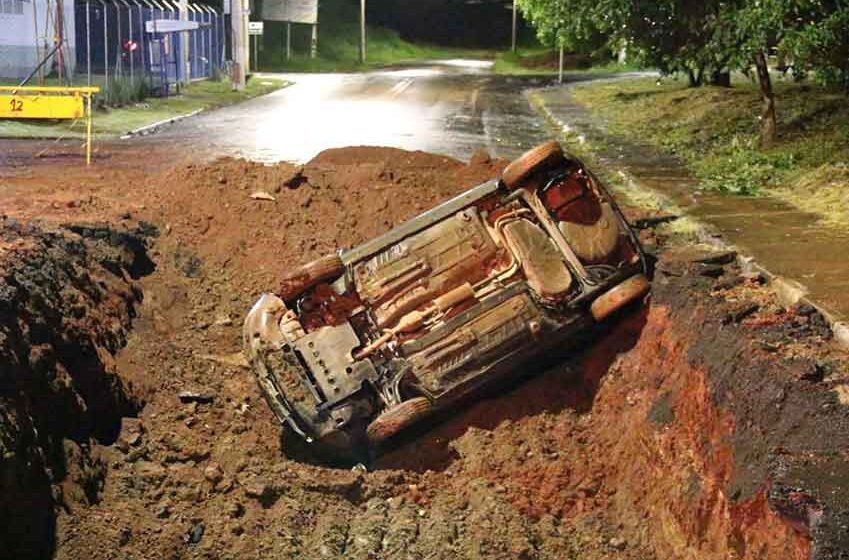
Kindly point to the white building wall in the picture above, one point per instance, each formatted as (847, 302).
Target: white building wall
(19, 31)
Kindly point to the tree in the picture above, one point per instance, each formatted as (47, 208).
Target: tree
(575, 25)
(811, 33)
(819, 41)
(676, 36)
(671, 35)
(757, 25)
(708, 38)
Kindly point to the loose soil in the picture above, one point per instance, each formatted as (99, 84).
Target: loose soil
(711, 424)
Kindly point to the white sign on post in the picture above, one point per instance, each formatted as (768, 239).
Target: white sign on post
(293, 11)
(169, 25)
(255, 28)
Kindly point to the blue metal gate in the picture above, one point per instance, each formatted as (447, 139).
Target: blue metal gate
(112, 40)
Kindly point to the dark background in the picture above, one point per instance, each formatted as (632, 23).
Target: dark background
(462, 23)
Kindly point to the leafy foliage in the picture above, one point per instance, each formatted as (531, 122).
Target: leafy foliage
(576, 25)
(704, 39)
(821, 42)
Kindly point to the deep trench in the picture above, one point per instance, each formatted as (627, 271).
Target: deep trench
(701, 442)
(66, 297)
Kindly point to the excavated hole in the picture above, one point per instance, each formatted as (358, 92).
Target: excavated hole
(66, 306)
(693, 429)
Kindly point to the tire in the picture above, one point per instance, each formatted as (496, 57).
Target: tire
(619, 296)
(307, 276)
(395, 419)
(534, 160)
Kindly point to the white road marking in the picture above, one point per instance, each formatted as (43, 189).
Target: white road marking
(399, 88)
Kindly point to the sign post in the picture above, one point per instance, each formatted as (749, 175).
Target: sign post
(362, 31)
(294, 11)
(255, 30)
(513, 42)
(288, 40)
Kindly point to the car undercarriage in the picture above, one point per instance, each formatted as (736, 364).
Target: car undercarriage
(358, 345)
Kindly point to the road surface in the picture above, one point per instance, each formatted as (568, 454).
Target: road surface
(448, 107)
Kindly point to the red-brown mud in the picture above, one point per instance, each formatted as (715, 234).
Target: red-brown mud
(705, 426)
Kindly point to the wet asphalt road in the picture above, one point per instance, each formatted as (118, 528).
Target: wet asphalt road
(452, 108)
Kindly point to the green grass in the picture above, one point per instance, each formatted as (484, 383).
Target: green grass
(714, 131)
(111, 122)
(524, 61)
(544, 61)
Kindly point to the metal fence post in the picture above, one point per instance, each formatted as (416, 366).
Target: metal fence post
(194, 34)
(87, 41)
(141, 37)
(105, 44)
(220, 42)
(131, 52)
(119, 59)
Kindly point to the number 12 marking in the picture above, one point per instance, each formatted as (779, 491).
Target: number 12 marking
(17, 105)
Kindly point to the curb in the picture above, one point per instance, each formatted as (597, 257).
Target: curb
(149, 128)
(788, 291)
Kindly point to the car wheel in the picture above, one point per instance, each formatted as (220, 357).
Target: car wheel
(536, 159)
(619, 296)
(307, 276)
(396, 418)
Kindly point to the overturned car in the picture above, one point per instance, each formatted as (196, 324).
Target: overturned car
(361, 344)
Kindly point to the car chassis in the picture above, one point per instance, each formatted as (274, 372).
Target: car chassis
(360, 344)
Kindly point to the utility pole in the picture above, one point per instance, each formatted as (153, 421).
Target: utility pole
(314, 41)
(560, 66)
(237, 28)
(363, 31)
(183, 5)
(288, 40)
(59, 34)
(246, 37)
(87, 41)
(513, 47)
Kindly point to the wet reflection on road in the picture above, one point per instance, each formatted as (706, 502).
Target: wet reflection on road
(450, 107)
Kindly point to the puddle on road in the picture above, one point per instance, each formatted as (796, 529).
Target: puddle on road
(787, 241)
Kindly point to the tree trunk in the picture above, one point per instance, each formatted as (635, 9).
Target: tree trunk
(695, 80)
(768, 108)
(720, 78)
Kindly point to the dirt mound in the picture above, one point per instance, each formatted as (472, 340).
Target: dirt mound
(690, 430)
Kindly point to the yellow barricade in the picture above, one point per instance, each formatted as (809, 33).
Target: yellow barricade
(33, 102)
